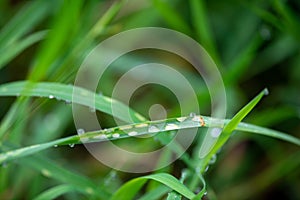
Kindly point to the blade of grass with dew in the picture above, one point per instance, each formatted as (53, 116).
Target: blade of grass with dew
(228, 129)
(171, 16)
(17, 47)
(142, 129)
(65, 93)
(55, 192)
(137, 129)
(131, 188)
(173, 196)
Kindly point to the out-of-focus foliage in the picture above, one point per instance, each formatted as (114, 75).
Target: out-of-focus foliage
(255, 44)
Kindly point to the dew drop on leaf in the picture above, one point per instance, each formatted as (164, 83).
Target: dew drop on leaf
(153, 129)
(80, 131)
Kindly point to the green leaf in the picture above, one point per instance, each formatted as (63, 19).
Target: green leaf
(228, 129)
(156, 193)
(18, 46)
(25, 20)
(65, 93)
(201, 25)
(171, 16)
(55, 192)
(131, 188)
(64, 26)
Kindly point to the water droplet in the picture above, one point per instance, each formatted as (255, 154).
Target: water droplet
(115, 135)
(181, 119)
(46, 173)
(132, 133)
(80, 131)
(101, 136)
(89, 190)
(153, 129)
(196, 118)
(213, 159)
(206, 168)
(205, 193)
(171, 127)
(266, 91)
(71, 145)
(68, 102)
(55, 145)
(265, 33)
(51, 96)
(92, 109)
(215, 132)
(192, 114)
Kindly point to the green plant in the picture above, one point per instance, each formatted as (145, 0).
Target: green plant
(40, 119)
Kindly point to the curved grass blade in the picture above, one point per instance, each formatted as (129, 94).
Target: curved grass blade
(56, 172)
(156, 193)
(131, 188)
(65, 93)
(25, 20)
(17, 47)
(227, 131)
(55, 192)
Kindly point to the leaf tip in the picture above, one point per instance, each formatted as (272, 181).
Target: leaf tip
(266, 91)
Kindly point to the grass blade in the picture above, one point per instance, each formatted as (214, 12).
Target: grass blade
(55, 192)
(59, 36)
(142, 129)
(19, 46)
(228, 129)
(202, 28)
(171, 16)
(65, 93)
(130, 189)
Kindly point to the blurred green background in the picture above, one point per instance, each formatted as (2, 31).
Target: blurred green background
(254, 44)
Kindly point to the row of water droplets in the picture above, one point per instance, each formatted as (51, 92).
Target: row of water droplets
(133, 130)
